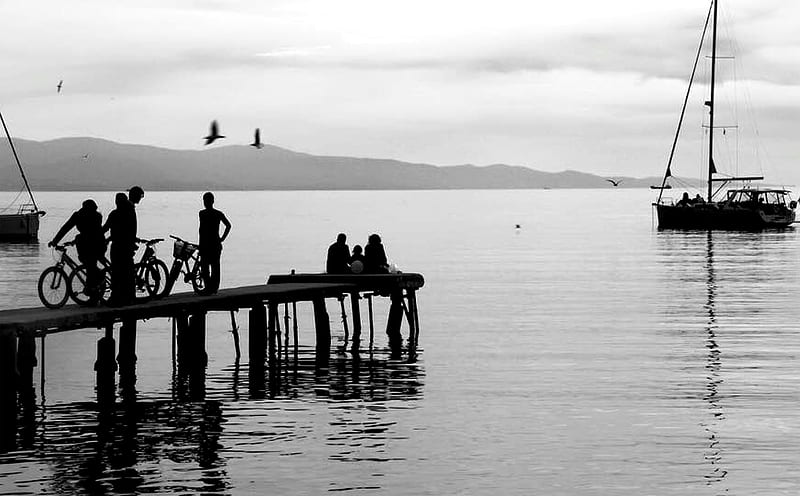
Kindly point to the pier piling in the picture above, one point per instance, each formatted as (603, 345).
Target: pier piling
(106, 366)
(322, 325)
(393, 324)
(8, 391)
(354, 304)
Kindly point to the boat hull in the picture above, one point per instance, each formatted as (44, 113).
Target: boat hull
(19, 227)
(717, 216)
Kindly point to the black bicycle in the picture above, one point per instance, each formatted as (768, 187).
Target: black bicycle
(53, 286)
(187, 263)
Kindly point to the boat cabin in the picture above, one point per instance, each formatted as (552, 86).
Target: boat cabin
(759, 196)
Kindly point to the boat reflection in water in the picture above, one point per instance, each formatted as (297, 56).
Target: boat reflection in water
(176, 444)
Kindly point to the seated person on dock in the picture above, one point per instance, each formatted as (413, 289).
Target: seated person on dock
(357, 260)
(698, 199)
(338, 261)
(90, 242)
(375, 261)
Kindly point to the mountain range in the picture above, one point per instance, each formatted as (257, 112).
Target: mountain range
(93, 164)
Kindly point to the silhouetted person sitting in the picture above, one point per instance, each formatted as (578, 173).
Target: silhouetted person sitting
(685, 201)
(357, 260)
(338, 261)
(211, 242)
(375, 261)
(90, 242)
(122, 224)
(698, 199)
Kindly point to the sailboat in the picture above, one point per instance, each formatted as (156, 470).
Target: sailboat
(22, 225)
(724, 207)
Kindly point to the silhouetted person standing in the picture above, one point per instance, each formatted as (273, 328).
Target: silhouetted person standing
(338, 261)
(122, 224)
(375, 261)
(90, 242)
(211, 242)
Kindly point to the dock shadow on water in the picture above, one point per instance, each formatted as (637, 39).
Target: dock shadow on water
(186, 439)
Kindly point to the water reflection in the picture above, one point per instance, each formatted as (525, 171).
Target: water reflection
(185, 440)
(713, 366)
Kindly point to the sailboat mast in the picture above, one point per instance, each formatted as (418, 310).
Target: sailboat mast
(19, 165)
(711, 101)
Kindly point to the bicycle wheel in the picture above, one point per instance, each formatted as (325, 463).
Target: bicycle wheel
(53, 287)
(78, 290)
(104, 290)
(144, 277)
(198, 282)
(160, 273)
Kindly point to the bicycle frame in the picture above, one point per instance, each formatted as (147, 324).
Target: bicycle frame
(186, 265)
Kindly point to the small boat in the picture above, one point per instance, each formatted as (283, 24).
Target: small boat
(22, 225)
(656, 186)
(740, 208)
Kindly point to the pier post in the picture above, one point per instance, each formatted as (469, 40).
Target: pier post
(412, 326)
(26, 361)
(106, 366)
(371, 322)
(322, 324)
(256, 349)
(354, 297)
(272, 332)
(126, 358)
(8, 391)
(344, 322)
(197, 330)
(183, 340)
(393, 323)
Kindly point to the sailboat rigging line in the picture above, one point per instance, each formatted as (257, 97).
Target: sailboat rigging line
(19, 193)
(16, 157)
(667, 173)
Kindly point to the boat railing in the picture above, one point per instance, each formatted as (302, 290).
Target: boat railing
(27, 208)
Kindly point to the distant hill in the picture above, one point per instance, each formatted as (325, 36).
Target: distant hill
(99, 165)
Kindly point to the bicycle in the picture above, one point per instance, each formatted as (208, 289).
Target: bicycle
(149, 273)
(53, 286)
(187, 262)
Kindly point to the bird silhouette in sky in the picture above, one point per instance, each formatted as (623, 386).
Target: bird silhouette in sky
(213, 134)
(58, 88)
(257, 140)
(86, 156)
(615, 183)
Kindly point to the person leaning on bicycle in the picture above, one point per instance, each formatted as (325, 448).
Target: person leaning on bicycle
(90, 242)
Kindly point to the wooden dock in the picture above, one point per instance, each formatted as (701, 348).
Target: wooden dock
(20, 327)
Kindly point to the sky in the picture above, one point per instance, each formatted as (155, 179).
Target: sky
(551, 85)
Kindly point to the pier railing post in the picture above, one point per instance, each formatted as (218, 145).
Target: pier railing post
(322, 324)
(354, 297)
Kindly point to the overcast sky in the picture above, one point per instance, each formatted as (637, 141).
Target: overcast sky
(588, 85)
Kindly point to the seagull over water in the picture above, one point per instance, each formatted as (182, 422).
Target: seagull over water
(213, 134)
(257, 140)
(615, 183)
(58, 88)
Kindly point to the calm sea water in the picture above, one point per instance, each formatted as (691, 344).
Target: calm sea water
(584, 353)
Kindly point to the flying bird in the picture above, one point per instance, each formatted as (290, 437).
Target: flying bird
(213, 134)
(615, 183)
(257, 140)
(86, 156)
(58, 88)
